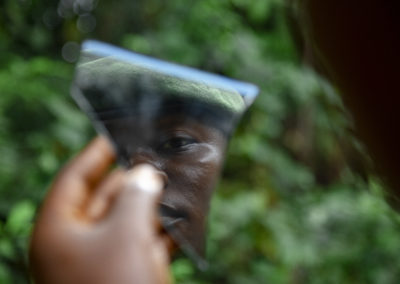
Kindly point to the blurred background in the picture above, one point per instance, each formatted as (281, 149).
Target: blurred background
(297, 203)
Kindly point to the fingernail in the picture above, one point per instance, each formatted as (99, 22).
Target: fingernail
(144, 177)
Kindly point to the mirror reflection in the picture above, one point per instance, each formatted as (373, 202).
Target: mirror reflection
(175, 118)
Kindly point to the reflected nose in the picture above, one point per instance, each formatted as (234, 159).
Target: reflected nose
(148, 157)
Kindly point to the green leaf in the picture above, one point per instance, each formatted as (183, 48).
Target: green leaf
(20, 218)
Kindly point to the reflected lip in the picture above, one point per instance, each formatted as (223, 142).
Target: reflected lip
(170, 215)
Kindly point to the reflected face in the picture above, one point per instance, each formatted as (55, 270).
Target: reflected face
(188, 153)
(173, 117)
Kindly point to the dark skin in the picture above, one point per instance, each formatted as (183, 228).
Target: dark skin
(189, 155)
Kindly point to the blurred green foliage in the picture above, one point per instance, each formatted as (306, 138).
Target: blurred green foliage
(297, 202)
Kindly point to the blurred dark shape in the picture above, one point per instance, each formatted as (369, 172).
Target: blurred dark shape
(356, 47)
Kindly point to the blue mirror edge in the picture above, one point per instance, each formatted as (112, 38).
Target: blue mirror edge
(248, 91)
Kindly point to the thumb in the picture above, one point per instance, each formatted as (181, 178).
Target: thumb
(136, 205)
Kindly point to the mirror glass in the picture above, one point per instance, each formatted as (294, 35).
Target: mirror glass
(176, 118)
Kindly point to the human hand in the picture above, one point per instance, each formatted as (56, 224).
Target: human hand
(100, 227)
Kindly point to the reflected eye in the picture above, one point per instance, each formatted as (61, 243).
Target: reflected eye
(176, 144)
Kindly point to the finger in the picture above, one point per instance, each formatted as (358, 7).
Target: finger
(102, 198)
(135, 208)
(74, 183)
(170, 244)
(92, 163)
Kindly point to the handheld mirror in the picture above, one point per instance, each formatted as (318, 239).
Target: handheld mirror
(176, 118)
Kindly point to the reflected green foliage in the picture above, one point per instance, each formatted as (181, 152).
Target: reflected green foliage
(296, 204)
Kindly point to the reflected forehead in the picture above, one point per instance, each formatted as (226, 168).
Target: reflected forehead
(163, 124)
(187, 124)
(171, 120)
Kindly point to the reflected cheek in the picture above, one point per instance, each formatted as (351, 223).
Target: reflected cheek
(192, 178)
(211, 155)
(199, 171)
